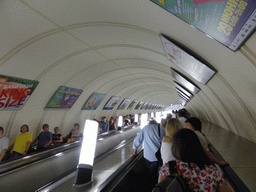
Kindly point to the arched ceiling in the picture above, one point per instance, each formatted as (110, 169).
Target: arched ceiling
(113, 47)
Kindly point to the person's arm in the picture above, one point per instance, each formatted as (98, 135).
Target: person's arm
(26, 148)
(2, 154)
(213, 159)
(115, 126)
(160, 178)
(134, 153)
(10, 148)
(137, 142)
(225, 188)
(59, 141)
(35, 140)
(47, 143)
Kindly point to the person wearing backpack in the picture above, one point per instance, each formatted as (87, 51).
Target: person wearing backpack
(193, 165)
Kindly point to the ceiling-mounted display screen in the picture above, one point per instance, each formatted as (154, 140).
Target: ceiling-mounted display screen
(14, 92)
(139, 105)
(144, 105)
(198, 70)
(230, 22)
(184, 81)
(183, 89)
(183, 96)
(132, 104)
(124, 103)
(93, 101)
(111, 103)
(64, 98)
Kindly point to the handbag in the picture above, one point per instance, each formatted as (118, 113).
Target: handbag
(158, 153)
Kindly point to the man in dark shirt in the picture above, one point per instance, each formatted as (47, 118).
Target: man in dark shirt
(44, 138)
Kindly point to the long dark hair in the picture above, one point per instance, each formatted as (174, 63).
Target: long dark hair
(187, 147)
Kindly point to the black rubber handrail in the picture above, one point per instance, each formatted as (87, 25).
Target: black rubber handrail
(120, 173)
(37, 156)
(235, 181)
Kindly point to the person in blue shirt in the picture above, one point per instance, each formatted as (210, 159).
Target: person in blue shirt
(149, 135)
(44, 139)
(104, 124)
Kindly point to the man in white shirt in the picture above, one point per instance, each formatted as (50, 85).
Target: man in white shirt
(4, 143)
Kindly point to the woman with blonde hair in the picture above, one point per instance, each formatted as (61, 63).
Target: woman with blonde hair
(172, 126)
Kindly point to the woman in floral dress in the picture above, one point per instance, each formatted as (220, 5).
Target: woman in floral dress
(193, 164)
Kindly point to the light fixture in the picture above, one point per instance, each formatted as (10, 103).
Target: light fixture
(136, 118)
(120, 121)
(85, 164)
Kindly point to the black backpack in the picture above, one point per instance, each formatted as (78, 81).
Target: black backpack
(173, 182)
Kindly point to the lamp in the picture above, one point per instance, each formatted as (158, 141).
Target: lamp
(85, 164)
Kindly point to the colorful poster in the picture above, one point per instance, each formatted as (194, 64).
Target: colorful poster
(64, 98)
(133, 103)
(124, 103)
(230, 22)
(93, 101)
(139, 105)
(111, 103)
(14, 92)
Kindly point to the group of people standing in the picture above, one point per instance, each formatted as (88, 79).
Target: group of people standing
(112, 124)
(184, 150)
(45, 140)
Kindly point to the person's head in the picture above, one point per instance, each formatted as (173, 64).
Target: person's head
(24, 128)
(187, 147)
(182, 114)
(194, 124)
(76, 126)
(172, 126)
(1, 131)
(56, 130)
(169, 116)
(152, 121)
(163, 122)
(111, 120)
(45, 127)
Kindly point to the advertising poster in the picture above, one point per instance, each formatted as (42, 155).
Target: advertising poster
(14, 92)
(139, 105)
(198, 70)
(111, 103)
(64, 98)
(133, 103)
(93, 101)
(228, 21)
(124, 104)
(147, 106)
(144, 105)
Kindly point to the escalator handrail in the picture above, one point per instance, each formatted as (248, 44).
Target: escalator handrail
(33, 157)
(235, 181)
(121, 172)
